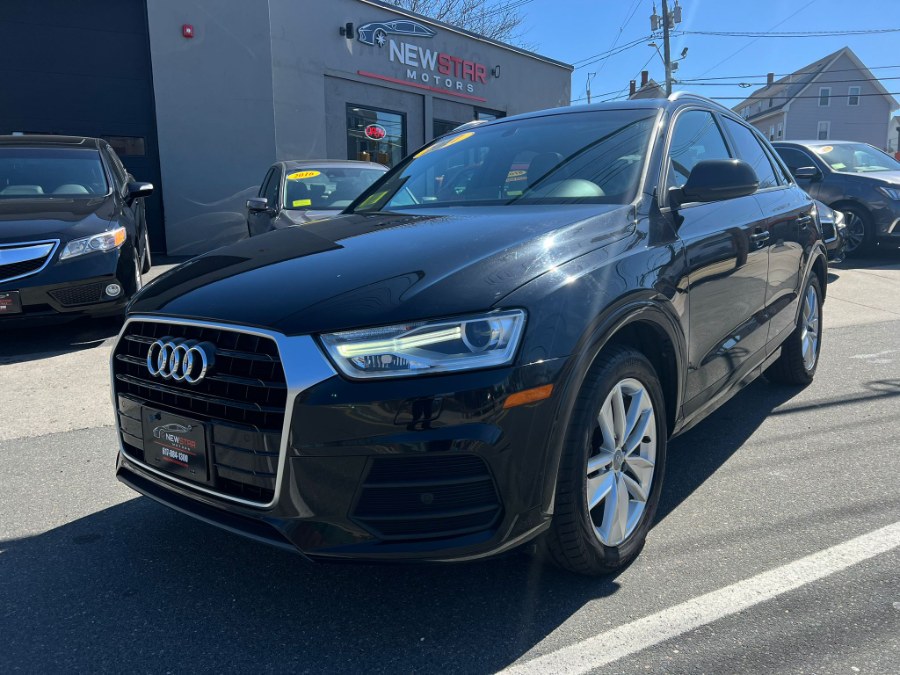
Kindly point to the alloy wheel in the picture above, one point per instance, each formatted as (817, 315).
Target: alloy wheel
(809, 335)
(856, 231)
(621, 463)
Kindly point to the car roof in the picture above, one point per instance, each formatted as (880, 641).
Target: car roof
(329, 164)
(676, 100)
(50, 140)
(818, 143)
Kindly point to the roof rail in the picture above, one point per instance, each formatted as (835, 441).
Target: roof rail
(678, 95)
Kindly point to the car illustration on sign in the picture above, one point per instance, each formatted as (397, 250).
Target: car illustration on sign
(376, 33)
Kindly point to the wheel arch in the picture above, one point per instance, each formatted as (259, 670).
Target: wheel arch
(639, 323)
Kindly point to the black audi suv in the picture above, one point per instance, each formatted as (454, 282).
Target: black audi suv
(856, 179)
(73, 236)
(493, 343)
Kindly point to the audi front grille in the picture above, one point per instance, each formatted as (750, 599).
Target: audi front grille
(241, 401)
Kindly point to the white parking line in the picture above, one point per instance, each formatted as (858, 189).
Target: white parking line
(615, 644)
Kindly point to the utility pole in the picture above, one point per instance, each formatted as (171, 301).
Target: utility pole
(590, 76)
(666, 53)
(667, 22)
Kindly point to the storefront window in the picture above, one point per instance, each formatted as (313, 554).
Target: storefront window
(442, 127)
(375, 135)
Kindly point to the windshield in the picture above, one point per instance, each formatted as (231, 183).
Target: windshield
(856, 158)
(591, 157)
(326, 188)
(36, 173)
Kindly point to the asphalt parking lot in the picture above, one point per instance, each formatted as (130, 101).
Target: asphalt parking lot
(776, 547)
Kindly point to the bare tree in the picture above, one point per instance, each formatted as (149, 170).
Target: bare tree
(495, 19)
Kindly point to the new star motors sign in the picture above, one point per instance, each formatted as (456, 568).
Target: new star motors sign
(424, 68)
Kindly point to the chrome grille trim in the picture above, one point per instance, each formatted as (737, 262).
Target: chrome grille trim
(304, 366)
(12, 253)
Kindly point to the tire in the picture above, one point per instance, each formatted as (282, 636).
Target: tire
(796, 365)
(860, 230)
(586, 540)
(146, 260)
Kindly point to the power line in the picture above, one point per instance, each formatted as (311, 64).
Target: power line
(762, 98)
(808, 72)
(790, 34)
(738, 51)
(765, 84)
(594, 58)
(634, 8)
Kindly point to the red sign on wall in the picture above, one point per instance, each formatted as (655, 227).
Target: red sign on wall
(375, 131)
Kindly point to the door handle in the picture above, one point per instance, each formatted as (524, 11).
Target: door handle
(760, 237)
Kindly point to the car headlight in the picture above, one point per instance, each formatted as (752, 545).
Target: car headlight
(891, 192)
(105, 241)
(426, 347)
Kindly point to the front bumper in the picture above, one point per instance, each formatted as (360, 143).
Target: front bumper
(429, 468)
(73, 288)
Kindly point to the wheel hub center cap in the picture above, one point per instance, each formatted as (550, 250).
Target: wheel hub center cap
(618, 460)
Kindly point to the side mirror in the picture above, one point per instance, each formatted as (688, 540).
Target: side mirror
(714, 180)
(136, 190)
(807, 173)
(257, 204)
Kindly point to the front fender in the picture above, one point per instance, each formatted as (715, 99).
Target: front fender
(575, 311)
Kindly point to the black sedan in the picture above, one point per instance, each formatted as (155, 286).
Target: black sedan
(297, 192)
(73, 237)
(856, 179)
(493, 343)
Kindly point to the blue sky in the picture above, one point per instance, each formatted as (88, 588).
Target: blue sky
(571, 30)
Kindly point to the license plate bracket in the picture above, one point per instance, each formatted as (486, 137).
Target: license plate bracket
(176, 445)
(10, 302)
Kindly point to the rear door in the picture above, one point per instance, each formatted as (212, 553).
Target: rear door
(727, 271)
(790, 226)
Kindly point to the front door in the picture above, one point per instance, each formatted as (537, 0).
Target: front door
(259, 222)
(727, 268)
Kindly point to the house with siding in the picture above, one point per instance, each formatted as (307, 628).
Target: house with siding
(835, 98)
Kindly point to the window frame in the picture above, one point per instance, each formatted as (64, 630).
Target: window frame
(827, 124)
(404, 129)
(802, 150)
(851, 95)
(760, 139)
(265, 182)
(117, 173)
(665, 164)
(827, 97)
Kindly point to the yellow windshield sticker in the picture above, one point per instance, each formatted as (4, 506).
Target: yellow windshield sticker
(445, 143)
(300, 175)
(825, 149)
(301, 202)
(516, 175)
(371, 200)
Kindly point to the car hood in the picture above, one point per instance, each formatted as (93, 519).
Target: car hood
(56, 218)
(363, 270)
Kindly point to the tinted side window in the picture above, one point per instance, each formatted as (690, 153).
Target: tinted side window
(747, 148)
(265, 183)
(272, 188)
(119, 174)
(696, 137)
(794, 158)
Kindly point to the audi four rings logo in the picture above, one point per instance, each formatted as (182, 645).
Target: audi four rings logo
(180, 360)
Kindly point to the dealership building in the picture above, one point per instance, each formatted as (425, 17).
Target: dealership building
(201, 97)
